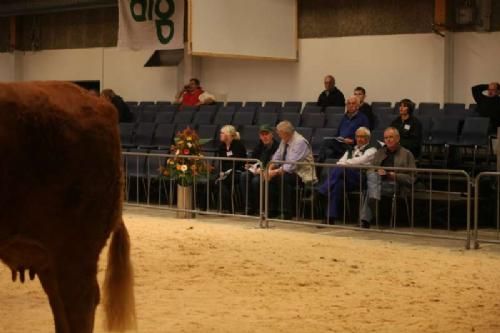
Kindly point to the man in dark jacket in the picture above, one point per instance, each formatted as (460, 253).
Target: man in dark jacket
(352, 120)
(364, 107)
(331, 96)
(409, 127)
(250, 179)
(488, 105)
(385, 182)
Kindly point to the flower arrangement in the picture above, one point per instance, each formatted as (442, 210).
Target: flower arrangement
(183, 169)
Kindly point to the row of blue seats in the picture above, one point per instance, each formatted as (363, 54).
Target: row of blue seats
(295, 106)
(472, 131)
(240, 118)
(160, 136)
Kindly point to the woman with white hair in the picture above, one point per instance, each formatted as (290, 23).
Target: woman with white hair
(229, 171)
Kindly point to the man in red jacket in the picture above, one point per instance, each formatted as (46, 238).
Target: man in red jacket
(190, 95)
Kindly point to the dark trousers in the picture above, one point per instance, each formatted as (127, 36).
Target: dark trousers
(250, 191)
(331, 149)
(282, 195)
(338, 181)
(227, 192)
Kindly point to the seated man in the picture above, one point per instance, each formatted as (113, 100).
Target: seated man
(364, 107)
(331, 96)
(386, 182)
(190, 95)
(488, 105)
(250, 179)
(284, 177)
(352, 120)
(409, 127)
(340, 179)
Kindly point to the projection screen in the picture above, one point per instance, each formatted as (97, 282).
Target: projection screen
(256, 29)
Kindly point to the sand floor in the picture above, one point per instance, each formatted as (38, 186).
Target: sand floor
(207, 276)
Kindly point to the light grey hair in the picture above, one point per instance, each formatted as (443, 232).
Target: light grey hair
(393, 129)
(365, 131)
(285, 126)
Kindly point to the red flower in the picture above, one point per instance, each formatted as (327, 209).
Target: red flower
(185, 151)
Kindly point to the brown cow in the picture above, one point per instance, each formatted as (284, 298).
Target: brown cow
(61, 198)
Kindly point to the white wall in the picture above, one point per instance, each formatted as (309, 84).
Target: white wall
(7, 67)
(389, 67)
(121, 70)
(476, 60)
(125, 73)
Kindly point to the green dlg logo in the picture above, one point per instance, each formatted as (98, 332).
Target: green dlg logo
(145, 12)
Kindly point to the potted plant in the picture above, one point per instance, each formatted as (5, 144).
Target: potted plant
(185, 167)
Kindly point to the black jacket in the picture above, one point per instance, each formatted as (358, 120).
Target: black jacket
(366, 109)
(124, 114)
(487, 106)
(236, 150)
(333, 97)
(264, 153)
(410, 132)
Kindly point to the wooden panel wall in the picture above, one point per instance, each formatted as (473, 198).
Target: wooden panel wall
(317, 19)
(335, 18)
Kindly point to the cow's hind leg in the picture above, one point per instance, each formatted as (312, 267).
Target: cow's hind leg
(73, 295)
(49, 282)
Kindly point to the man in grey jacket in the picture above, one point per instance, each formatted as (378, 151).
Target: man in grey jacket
(385, 182)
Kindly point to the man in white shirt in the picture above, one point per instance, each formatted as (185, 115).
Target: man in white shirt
(338, 178)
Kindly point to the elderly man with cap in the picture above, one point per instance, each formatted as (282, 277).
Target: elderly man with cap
(250, 179)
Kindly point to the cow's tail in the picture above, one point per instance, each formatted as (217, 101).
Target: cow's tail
(118, 289)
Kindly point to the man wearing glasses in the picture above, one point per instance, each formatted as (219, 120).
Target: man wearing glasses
(342, 180)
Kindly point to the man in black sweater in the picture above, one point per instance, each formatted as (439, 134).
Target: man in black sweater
(331, 96)
(488, 105)
(365, 108)
(250, 179)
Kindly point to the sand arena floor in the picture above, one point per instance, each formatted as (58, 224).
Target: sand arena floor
(214, 276)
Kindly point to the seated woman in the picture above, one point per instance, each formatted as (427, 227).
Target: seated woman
(229, 171)
(409, 127)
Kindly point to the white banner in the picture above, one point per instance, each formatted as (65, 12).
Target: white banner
(151, 24)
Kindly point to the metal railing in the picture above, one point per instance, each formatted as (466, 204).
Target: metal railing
(434, 189)
(211, 193)
(487, 194)
(436, 194)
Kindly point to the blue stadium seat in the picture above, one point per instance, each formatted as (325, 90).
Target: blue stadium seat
(312, 109)
(243, 118)
(223, 118)
(183, 117)
(428, 109)
(333, 120)
(314, 120)
(267, 118)
(293, 118)
(165, 117)
(164, 135)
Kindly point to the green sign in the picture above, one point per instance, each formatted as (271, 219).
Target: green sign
(142, 10)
